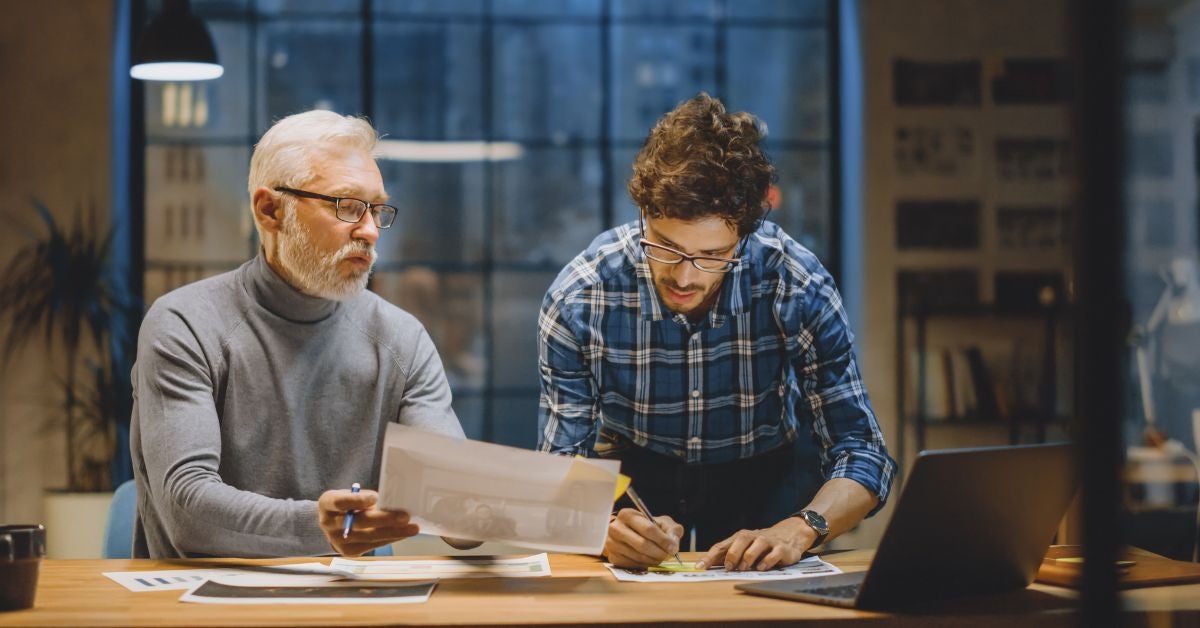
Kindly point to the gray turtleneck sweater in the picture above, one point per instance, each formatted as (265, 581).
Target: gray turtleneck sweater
(251, 399)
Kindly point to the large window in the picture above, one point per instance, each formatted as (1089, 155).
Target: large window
(564, 90)
(1161, 429)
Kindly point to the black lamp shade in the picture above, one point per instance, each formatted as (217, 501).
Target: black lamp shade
(176, 46)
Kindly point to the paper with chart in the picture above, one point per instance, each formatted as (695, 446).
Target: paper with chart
(164, 580)
(534, 566)
(485, 492)
(807, 568)
(178, 579)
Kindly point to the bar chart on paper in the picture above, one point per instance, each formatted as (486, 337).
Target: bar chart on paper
(163, 580)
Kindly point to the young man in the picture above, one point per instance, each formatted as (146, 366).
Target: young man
(262, 394)
(695, 344)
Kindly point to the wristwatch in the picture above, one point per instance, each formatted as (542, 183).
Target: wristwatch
(817, 523)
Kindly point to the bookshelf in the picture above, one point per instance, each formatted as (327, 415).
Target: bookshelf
(999, 406)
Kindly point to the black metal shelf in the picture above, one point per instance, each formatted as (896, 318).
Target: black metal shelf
(1040, 417)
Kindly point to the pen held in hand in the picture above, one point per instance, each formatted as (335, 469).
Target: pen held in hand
(641, 506)
(354, 488)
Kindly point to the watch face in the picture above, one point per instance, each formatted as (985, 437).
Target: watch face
(815, 520)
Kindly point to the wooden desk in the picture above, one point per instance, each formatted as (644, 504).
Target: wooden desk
(74, 593)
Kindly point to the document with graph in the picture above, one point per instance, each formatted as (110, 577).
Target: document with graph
(486, 492)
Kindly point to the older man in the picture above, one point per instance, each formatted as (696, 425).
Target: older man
(261, 395)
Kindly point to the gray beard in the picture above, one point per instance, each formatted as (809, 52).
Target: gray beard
(315, 273)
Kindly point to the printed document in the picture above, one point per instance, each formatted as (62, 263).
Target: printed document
(466, 567)
(179, 579)
(809, 567)
(485, 492)
(248, 588)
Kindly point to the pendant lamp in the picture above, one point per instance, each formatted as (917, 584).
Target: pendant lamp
(176, 46)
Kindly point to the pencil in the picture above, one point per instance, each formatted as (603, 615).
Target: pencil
(641, 506)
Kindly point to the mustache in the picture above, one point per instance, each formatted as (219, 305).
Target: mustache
(356, 248)
(670, 283)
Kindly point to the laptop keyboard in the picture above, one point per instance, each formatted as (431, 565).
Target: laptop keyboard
(846, 591)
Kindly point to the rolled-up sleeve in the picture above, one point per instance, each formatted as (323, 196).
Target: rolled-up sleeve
(568, 403)
(832, 392)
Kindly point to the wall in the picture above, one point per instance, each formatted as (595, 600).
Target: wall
(54, 125)
(937, 30)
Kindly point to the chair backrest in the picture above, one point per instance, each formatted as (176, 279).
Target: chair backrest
(118, 532)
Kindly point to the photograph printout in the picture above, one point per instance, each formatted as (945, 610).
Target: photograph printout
(258, 589)
(807, 568)
(486, 492)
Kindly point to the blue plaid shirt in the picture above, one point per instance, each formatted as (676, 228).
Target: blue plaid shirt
(774, 354)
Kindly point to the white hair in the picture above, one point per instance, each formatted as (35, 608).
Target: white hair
(283, 156)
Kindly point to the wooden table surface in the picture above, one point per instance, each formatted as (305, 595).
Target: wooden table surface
(581, 591)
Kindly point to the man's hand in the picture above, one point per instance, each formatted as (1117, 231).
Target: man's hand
(635, 541)
(780, 545)
(372, 527)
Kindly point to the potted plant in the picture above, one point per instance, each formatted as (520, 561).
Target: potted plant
(59, 287)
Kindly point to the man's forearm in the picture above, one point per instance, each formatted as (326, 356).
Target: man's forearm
(220, 520)
(844, 503)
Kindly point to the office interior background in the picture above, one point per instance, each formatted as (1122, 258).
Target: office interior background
(925, 152)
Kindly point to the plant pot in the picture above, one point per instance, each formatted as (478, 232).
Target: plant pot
(75, 523)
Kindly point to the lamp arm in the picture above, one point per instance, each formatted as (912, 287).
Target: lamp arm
(1144, 385)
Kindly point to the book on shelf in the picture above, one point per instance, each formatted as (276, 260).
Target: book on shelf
(987, 406)
(959, 385)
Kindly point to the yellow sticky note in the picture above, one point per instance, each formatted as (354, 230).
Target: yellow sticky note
(622, 484)
(674, 567)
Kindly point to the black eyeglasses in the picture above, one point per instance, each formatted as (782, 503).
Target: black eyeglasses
(668, 255)
(350, 209)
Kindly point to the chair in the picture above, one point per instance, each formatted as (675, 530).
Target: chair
(118, 532)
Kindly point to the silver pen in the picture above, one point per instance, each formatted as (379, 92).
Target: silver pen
(641, 506)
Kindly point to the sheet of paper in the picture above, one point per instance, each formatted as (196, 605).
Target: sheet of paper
(485, 492)
(179, 579)
(258, 589)
(807, 568)
(140, 581)
(473, 567)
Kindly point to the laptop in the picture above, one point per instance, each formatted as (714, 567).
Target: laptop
(969, 521)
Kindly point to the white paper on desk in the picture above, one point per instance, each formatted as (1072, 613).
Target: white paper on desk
(165, 580)
(534, 566)
(807, 568)
(485, 492)
(255, 588)
(179, 579)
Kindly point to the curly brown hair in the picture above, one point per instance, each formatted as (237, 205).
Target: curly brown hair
(700, 161)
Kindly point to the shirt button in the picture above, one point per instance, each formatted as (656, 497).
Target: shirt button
(695, 394)
(694, 442)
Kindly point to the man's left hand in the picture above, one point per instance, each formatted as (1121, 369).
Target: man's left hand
(780, 545)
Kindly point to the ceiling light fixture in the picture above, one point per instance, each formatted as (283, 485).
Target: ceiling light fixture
(176, 46)
(448, 152)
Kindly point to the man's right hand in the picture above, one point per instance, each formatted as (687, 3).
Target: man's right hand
(635, 541)
(372, 526)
